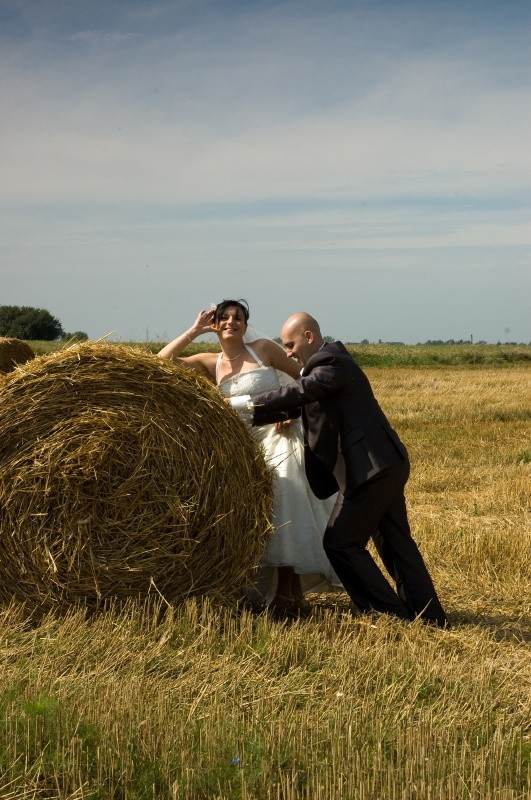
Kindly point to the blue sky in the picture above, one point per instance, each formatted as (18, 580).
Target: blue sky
(366, 161)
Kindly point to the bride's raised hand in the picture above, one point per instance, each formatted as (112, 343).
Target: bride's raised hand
(205, 322)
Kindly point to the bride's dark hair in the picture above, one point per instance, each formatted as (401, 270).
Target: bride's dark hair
(222, 307)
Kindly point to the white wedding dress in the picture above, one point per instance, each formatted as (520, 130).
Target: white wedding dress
(299, 517)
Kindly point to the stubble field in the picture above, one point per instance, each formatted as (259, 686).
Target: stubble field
(206, 702)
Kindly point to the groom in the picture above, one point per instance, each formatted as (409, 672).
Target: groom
(350, 448)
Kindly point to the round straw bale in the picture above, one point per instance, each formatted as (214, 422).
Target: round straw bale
(13, 352)
(120, 474)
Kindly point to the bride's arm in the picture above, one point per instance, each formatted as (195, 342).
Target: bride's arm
(201, 362)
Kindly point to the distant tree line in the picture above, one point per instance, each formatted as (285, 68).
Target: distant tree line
(451, 341)
(443, 342)
(34, 324)
(428, 341)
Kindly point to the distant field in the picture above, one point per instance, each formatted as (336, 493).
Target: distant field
(202, 702)
(376, 355)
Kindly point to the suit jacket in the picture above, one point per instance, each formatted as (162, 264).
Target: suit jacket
(348, 439)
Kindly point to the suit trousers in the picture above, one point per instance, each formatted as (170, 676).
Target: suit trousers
(377, 509)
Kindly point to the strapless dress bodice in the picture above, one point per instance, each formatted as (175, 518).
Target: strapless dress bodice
(253, 381)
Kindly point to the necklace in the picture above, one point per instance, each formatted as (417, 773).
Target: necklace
(235, 357)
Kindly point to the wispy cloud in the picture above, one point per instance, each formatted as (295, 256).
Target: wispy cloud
(288, 127)
(241, 115)
(101, 37)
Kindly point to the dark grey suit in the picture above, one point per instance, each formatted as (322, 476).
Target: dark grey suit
(351, 448)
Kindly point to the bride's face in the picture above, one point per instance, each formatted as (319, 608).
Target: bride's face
(232, 323)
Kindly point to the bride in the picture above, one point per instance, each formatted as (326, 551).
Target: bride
(294, 560)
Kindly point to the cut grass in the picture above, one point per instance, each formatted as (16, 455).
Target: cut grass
(202, 701)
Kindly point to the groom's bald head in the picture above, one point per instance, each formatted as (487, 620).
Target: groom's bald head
(301, 336)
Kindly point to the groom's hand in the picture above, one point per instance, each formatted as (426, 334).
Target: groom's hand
(281, 426)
